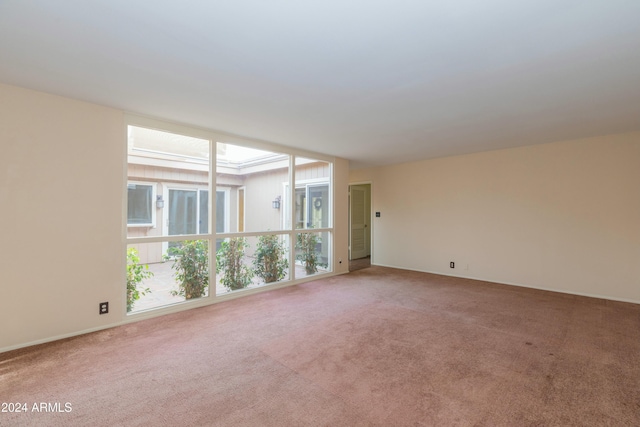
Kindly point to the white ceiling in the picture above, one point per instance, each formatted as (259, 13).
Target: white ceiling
(376, 82)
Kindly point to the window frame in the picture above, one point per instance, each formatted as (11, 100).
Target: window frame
(214, 137)
(153, 186)
(305, 184)
(198, 188)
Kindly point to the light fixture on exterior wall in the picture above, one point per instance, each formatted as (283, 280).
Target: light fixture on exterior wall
(276, 203)
(159, 202)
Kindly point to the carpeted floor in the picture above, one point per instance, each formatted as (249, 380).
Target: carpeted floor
(378, 346)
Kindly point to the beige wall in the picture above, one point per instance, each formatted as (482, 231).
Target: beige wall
(61, 178)
(260, 191)
(62, 181)
(341, 216)
(563, 216)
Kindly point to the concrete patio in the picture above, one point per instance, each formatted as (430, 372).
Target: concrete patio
(163, 282)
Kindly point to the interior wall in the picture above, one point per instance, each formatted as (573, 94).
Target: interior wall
(341, 216)
(62, 178)
(563, 216)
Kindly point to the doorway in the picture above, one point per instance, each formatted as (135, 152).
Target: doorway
(359, 226)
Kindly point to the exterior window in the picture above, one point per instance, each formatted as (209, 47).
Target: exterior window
(139, 204)
(269, 220)
(188, 211)
(312, 206)
(312, 212)
(168, 195)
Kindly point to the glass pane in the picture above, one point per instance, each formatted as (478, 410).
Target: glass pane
(250, 262)
(301, 208)
(139, 204)
(312, 195)
(182, 212)
(221, 209)
(312, 253)
(255, 181)
(203, 219)
(176, 168)
(159, 275)
(318, 206)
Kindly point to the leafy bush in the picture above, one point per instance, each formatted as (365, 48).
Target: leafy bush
(306, 243)
(136, 273)
(229, 261)
(270, 263)
(191, 263)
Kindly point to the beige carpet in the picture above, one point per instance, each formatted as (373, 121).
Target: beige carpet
(375, 347)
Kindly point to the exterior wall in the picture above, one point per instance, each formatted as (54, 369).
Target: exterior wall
(563, 216)
(163, 179)
(260, 191)
(262, 188)
(160, 174)
(312, 171)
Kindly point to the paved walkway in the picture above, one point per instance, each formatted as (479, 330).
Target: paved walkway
(163, 283)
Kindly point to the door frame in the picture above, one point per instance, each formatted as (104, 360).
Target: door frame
(370, 228)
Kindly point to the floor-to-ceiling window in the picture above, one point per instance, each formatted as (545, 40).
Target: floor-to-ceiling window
(312, 207)
(184, 245)
(252, 249)
(168, 208)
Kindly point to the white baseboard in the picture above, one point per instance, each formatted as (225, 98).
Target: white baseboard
(561, 291)
(175, 308)
(60, 337)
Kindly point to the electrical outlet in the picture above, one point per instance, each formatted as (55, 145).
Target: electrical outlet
(104, 308)
(452, 264)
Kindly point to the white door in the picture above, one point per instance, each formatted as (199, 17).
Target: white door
(359, 235)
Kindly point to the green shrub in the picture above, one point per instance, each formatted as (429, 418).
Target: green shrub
(191, 265)
(229, 261)
(270, 262)
(136, 273)
(306, 244)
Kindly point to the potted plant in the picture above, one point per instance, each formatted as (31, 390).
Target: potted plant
(191, 265)
(306, 244)
(136, 273)
(270, 263)
(229, 261)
